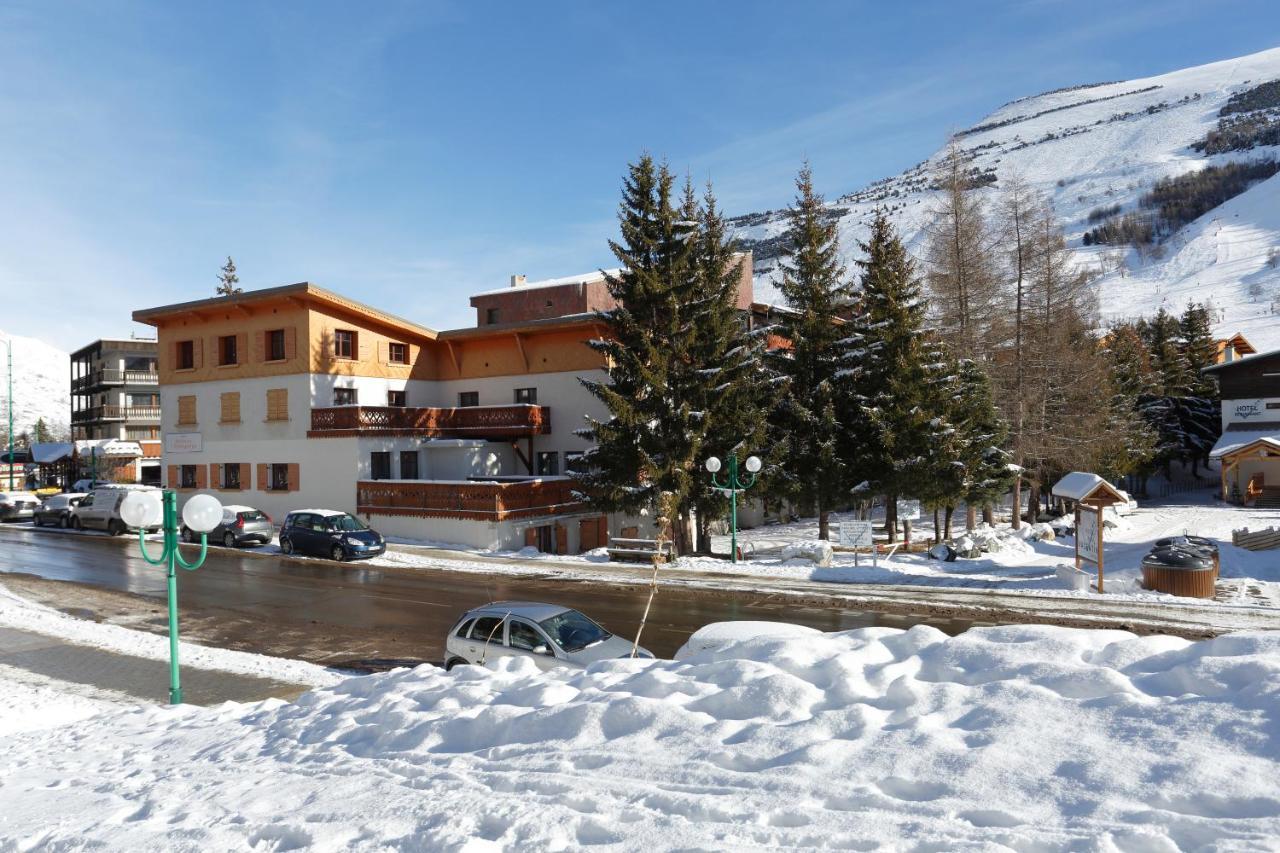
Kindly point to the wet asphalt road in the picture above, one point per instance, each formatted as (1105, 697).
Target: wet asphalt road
(350, 614)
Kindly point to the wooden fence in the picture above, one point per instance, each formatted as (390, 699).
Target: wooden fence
(1257, 540)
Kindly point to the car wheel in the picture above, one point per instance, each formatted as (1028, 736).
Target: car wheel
(62, 522)
(452, 662)
(286, 545)
(229, 539)
(338, 554)
(115, 528)
(77, 524)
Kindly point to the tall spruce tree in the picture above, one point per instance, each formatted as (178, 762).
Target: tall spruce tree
(806, 430)
(669, 353)
(1200, 410)
(900, 374)
(227, 279)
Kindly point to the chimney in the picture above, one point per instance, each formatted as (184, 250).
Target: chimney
(517, 280)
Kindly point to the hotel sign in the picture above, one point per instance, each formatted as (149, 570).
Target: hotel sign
(183, 442)
(1246, 409)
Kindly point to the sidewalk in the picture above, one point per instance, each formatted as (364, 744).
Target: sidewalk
(142, 678)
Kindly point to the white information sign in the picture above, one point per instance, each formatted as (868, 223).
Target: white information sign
(908, 510)
(1088, 535)
(183, 442)
(856, 534)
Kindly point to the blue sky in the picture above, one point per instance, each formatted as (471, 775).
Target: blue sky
(409, 154)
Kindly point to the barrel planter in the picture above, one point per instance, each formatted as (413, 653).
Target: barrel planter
(1179, 571)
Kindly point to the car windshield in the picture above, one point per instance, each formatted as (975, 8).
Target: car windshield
(347, 522)
(573, 632)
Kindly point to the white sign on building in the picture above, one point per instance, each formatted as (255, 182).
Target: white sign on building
(183, 442)
(856, 534)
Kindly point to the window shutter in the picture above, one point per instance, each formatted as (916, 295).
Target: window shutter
(383, 356)
(245, 478)
(197, 352)
(264, 484)
(173, 356)
(242, 348)
(530, 536)
(215, 475)
(562, 539)
(173, 476)
(290, 343)
(259, 347)
(362, 347)
(202, 478)
(293, 476)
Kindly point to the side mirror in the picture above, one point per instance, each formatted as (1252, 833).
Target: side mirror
(541, 650)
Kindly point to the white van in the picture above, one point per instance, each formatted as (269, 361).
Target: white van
(101, 509)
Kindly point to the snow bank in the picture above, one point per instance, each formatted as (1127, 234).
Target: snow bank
(1000, 738)
(817, 552)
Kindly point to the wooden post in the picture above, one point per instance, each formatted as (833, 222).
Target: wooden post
(1077, 537)
(1101, 526)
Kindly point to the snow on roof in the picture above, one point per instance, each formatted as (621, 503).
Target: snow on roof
(1078, 485)
(1237, 439)
(581, 278)
(50, 451)
(108, 447)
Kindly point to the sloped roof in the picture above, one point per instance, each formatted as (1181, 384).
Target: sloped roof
(1079, 485)
(1234, 440)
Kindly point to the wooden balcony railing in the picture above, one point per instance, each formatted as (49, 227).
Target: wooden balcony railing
(134, 414)
(469, 421)
(480, 501)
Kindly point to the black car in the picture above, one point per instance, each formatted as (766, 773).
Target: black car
(328, 533)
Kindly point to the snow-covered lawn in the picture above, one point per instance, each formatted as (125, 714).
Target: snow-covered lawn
(1000, 738)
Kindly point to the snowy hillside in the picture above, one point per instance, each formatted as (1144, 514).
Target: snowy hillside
(1093, 148)
(41, 385)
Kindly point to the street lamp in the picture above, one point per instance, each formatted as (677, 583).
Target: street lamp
(732, 485)
(143, 509)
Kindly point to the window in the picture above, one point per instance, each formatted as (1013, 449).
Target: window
(469, 398)
(398, 353)
(186, 355)
(279, 477)
(275, 345)
(187, 410)
(141, 433)
(491, 316)
(380, 465)
(466, 626)
(548, 464)
(227, 350)
(1273, 405)
(344, 396)
(188, 477)
(136, 400)
(278, 404)
(527, 395)
(140, 363)
(572, 461)
(395, 398)
(230, 406)
(521, 635)
(408, 464)
(231, 476)
(344, 343)
(488, 629)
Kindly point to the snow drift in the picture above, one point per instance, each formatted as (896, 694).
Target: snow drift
(1018, 737)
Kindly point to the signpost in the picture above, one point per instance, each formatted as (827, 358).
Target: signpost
(855, 535)
(1089, 538)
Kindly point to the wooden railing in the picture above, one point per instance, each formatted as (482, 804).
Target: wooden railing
(478, 421)
(481, 501)
(139, 414)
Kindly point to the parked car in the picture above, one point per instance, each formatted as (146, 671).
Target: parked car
(100, 510)
(548, 634)
(329, 533)
(56, 509)
(240, 525)
(85, 486)
(17, 506)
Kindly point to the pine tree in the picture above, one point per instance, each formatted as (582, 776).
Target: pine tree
(900, 375)
(40, 432)
(227, 279)
(981, 437)
(1200, 410)
(1133, 439)
(806, 429)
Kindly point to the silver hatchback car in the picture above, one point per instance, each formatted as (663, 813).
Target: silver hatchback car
(548, 634)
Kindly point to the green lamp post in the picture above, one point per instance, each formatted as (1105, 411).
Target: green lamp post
(732, 485)
(202, 513)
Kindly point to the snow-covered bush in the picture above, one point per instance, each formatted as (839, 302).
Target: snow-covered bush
(818, 552)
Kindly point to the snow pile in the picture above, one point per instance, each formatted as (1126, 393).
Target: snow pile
(985, 539)
(818, 552)
(1016, 737)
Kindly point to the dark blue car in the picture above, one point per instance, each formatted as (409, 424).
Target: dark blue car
(329, 533)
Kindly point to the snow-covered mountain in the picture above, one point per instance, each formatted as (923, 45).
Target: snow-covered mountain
(1095, 147)
(41, 385)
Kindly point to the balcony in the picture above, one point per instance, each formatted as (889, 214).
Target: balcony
(477, 501)
(113, 376)
(128, 414)
(488, 422)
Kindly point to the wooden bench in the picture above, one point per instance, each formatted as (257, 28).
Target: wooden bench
(639, 550)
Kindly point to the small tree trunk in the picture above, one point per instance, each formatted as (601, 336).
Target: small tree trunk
(703, 533)
(824, 524)
(950, 512)
(1033, 503)
(937, 526)
(989, 514)
(970, 516)
(906, 534)
(891, 517)
(1017, 502)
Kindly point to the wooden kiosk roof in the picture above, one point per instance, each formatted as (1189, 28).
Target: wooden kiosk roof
(1083, 487)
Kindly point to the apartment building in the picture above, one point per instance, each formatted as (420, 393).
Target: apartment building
(296, 396)
(115, 407)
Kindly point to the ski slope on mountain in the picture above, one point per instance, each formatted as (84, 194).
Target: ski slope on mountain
(1091, 147)
(41, 385)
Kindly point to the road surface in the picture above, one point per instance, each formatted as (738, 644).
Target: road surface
(361, 616)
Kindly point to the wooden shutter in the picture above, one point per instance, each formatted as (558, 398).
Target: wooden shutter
(562, 539)
(361, 347)
(173, 477)
(215, 475)
(187, 410)
(290, 343)
(202, 477)
(259, 347)
(174, 362)
(230, 405)
(294, 472)
(531, 536)
(242, 348)
(264, 482)
(384, 352)
(197, 352)
(278, 404)
(246, 478)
